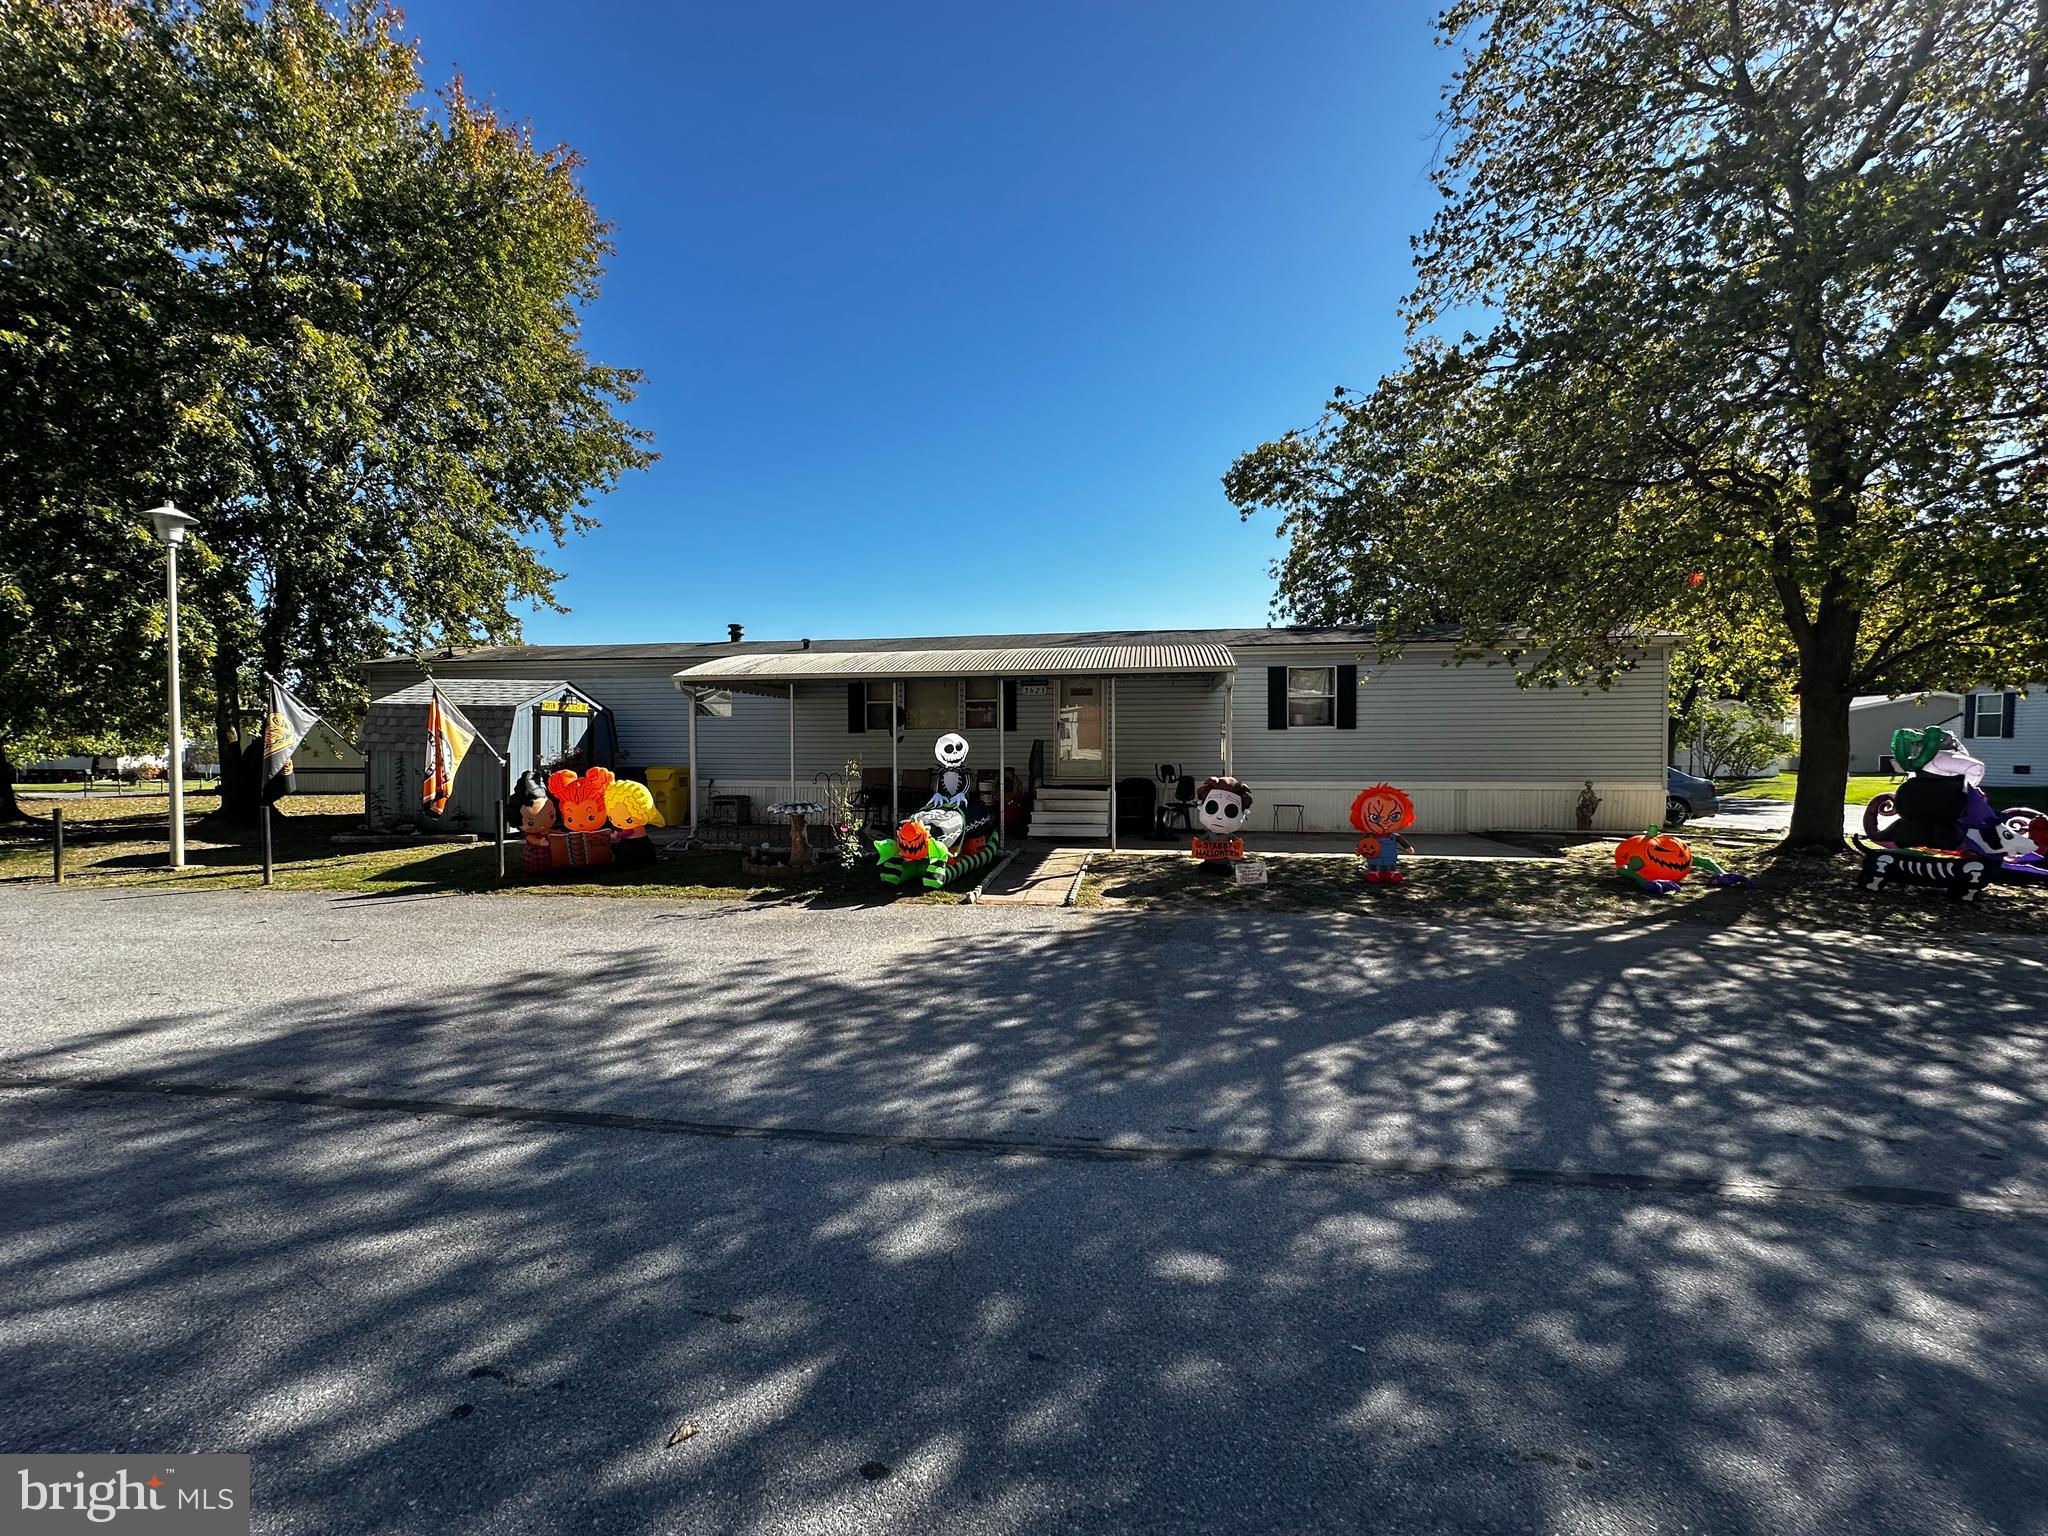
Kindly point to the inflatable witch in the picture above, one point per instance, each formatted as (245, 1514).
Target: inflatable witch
(1939, 827)
(952, 836)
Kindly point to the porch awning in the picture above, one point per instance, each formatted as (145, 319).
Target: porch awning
(774, 671)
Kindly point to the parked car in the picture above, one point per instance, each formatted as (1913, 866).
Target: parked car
(1686, 797)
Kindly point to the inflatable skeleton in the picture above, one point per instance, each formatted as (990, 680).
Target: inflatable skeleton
(950, 836)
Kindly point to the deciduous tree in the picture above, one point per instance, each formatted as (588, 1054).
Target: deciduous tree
(339, 317)
(1757, 346)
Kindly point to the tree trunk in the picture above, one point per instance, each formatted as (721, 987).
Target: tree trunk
(1826, 667)
(10, 808)
(238, 788)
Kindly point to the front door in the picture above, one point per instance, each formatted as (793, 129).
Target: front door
(1077, 723)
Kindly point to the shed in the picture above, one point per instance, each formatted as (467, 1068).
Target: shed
(537, 724)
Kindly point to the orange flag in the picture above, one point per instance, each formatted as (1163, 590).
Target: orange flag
(448, 739)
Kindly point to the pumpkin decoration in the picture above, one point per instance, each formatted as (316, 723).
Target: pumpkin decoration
(913, 842)
(1656, 860)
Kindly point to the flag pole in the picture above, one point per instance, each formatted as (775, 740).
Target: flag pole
(269, 858)
(504, 778)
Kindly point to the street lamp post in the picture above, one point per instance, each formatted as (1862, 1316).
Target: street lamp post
(170, 525)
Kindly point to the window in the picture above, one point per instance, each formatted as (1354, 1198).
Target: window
(881, 703)
(716, 705)
(1311, 696)
(1988, 717)
(932, 704)
(984, 704)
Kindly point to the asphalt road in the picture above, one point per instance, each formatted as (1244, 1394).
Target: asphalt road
(939, 1219)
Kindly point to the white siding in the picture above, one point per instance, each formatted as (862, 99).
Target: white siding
(1475, 750)
(1871, 727)
(2018, 761)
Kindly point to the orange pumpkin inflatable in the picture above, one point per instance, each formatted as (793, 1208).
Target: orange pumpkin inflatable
(1654, 856)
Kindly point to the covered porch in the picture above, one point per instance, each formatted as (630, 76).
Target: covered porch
(1063, 725)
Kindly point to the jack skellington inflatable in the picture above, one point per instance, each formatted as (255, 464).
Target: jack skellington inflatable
(1222, 806)
(950, 836)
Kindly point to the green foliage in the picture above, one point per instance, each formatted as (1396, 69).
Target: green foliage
(253, 265)
(1736, 739)
(1764, 357)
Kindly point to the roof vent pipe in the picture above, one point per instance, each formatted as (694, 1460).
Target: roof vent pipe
(807, 643)
(735, 631)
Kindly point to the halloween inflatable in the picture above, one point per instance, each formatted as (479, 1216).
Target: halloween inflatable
(536, 822)
(1940, 829)
(630, 806)
(1657, 862)
(583, 842)
(1382, 813)
(953, 836)
(1222, 806)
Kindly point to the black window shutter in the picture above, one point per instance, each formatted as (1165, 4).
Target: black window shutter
(1347, 698)
(1009, 703)
(2012, 707)
(1969, 715)
(856, 706)
(1276, 698)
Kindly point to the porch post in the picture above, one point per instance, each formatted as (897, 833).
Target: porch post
(792, 743)
(1112, 765)
(895, 771)
(1002, 798)
(690, 694)
(1229, 681)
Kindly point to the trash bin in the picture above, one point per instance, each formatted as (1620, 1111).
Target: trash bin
(670, 786)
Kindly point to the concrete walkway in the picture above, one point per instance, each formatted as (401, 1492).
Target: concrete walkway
(1428, 845)
(1036, 875)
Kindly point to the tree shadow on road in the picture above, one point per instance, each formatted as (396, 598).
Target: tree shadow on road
(422, 1322)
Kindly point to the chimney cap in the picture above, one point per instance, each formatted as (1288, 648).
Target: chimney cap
(735, 631)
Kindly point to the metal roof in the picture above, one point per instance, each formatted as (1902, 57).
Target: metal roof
(788, 667)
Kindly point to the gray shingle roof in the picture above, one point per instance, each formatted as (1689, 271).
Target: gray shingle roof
(488, 703)
(483, 692)
(710, 650)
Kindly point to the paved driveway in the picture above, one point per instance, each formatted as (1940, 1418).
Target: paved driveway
(455, 1211)
(1753, 813)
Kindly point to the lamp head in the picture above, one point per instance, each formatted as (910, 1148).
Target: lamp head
(170, 523)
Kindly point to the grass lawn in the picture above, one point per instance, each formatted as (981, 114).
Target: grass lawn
(109, 842)
(1863, 788)
(1577, 883)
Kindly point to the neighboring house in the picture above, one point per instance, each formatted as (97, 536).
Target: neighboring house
(1874, 717)
(2009, 730)
(326, 763)
(534, 724)
(1302, 715)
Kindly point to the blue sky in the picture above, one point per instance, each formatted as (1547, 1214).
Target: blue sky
(952, 316)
